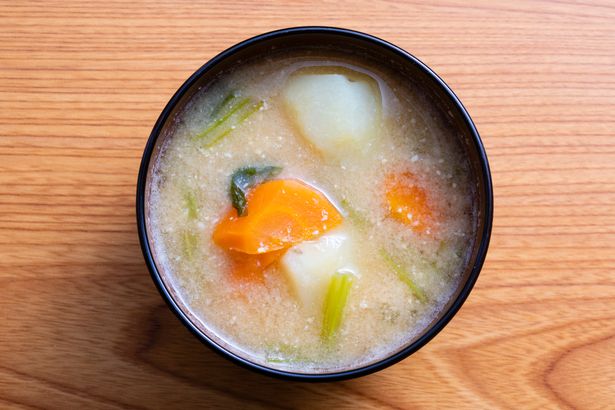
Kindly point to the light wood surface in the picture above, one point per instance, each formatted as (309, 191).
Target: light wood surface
(81, 84)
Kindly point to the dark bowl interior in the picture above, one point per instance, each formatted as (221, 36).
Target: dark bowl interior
(374, 50)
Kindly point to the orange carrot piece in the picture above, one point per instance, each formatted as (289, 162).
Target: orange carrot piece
(281, 214)
(407, 201)
(250, 268)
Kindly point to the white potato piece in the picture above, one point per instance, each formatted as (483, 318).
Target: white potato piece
(334, 112)
(310, 265)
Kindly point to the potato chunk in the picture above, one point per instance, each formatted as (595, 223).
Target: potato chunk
(334, 112)
(310, 265)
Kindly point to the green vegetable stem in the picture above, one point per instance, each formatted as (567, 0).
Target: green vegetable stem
(335, 301)
(403, 275)
(191, 205)
(227, 116)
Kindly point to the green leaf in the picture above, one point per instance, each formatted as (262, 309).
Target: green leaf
(226, 116)
(335, 302)
(244, 179)
(403, 275)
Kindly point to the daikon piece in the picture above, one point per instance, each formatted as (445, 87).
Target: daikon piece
(310, 265)
(334, 112)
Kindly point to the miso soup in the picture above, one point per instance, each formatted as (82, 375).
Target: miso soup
(312, 213)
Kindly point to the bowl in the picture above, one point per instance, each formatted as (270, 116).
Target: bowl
(341, 40)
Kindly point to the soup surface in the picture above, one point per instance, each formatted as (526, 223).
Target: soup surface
(311, 213)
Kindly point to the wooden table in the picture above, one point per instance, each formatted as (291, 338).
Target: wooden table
(81, 84)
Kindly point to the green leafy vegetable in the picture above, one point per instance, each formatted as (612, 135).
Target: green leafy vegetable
(191, 205)
(244, 179)
(189, 243)
(228, 115)
(335, 301)
(403, 276)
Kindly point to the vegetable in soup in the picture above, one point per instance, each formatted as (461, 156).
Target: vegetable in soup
(312, 214)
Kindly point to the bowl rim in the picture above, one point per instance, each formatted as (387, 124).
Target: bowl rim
(289, 375)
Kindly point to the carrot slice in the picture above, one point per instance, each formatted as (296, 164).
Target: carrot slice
(408, 201)
(250, 268)
(282, 213)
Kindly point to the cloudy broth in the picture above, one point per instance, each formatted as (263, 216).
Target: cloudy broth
(380, 160)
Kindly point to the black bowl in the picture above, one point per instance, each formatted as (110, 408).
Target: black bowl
(384, 54)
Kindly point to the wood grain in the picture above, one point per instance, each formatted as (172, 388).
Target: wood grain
(81, 84)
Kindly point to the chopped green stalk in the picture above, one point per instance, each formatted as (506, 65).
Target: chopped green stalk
(285, 353)
(403, 276)
(238, 119)
(335, 301)
(191, 205)
(222, 113)
(250, 110)
(222, 125)
(244, 179)
(278, 360)
(429, 265)
(228, 115)
(189, 243)
(224, 105)
(355, 216)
